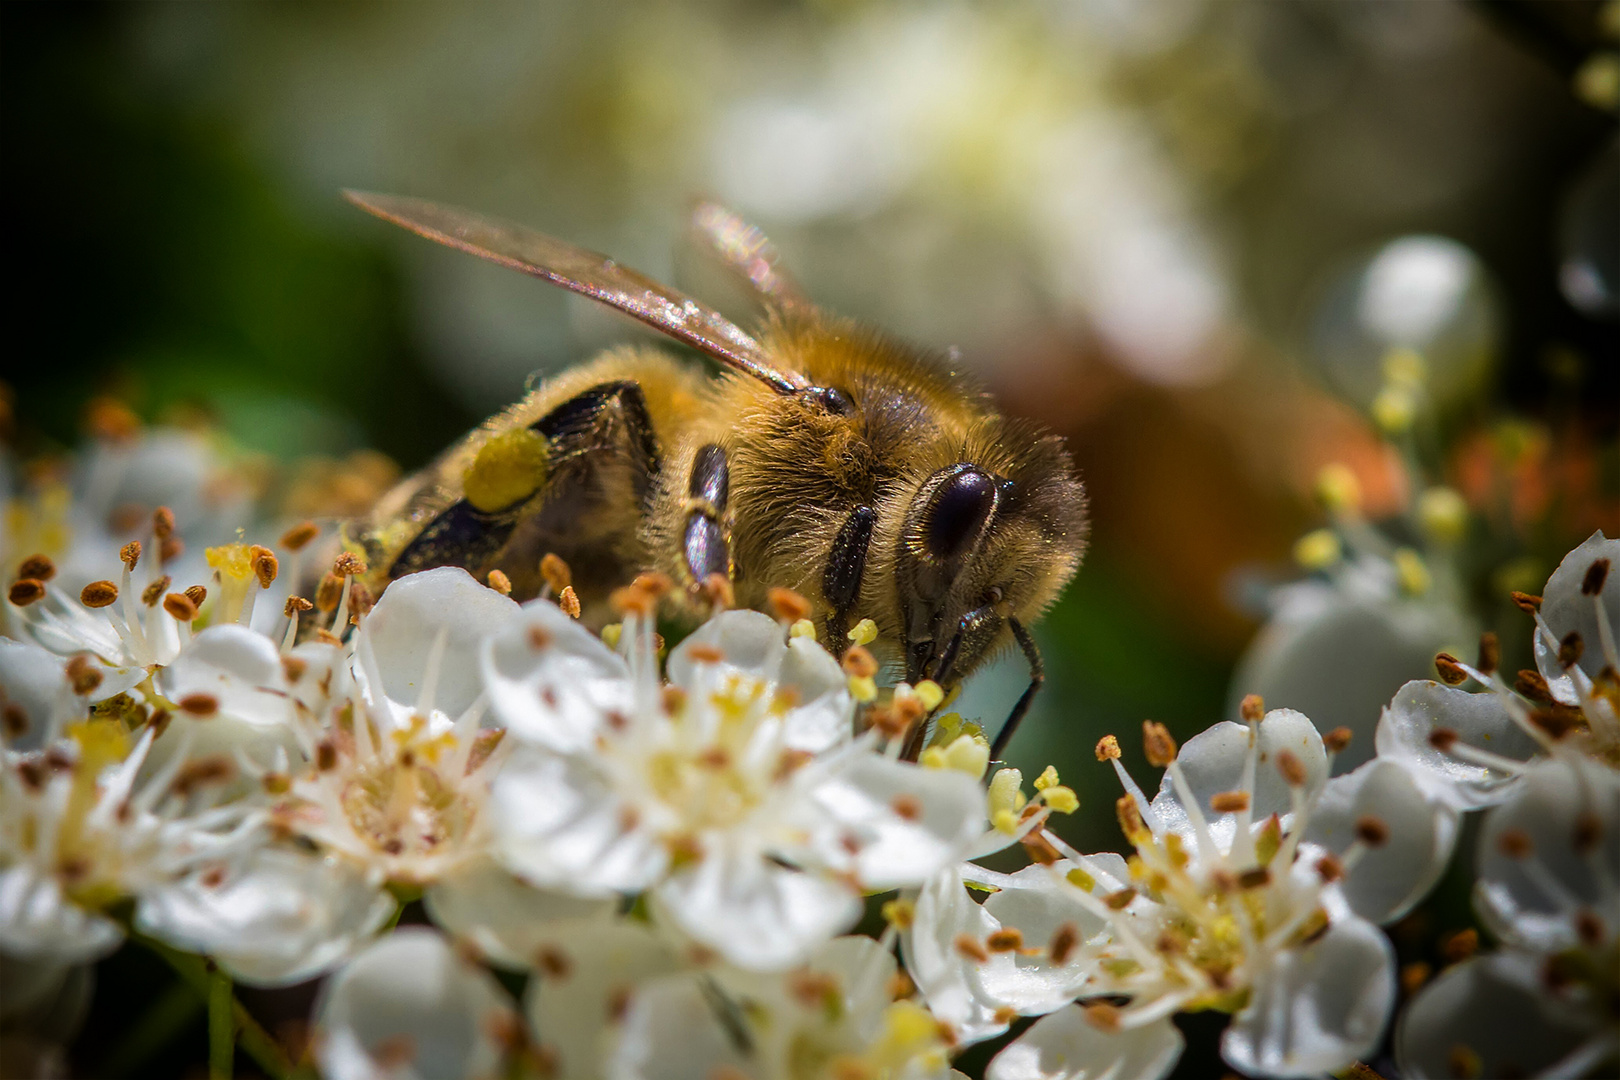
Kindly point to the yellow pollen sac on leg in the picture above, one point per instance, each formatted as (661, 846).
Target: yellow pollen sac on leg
(508, 468)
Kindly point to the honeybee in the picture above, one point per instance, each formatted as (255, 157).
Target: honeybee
(824, 457)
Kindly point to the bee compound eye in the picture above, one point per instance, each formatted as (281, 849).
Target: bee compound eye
(958, 511)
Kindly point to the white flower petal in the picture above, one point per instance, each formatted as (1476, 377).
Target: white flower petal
(1317, 1007)
(1566, 610)
(409, 1008)
(241, 670)
(1480, 720)
(1496, 1010)
(35, 692)
(948, 980)
(756, 914)
(277, 918)
(1533, 900)
(824, 716)
(559, 824)
(671, 1032)
(1036, 902)
(577, 1006)
(904, 822)
(551, 681)
(1386, 881)
(1212, 762)
(401, 630)
(38, 922)
(750, 642)
(509, 920)
(1066, 1046)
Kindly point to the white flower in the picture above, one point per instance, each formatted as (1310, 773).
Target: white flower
(408, 1008)
(1214, 910)
(37, 696)
(80, 828)
(1549, 889)
(1067, 1046)
(712, 796)
(1471, 748)
(829, 1018)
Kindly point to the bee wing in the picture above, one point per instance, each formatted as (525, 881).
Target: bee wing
(587, 273)
(748, 252)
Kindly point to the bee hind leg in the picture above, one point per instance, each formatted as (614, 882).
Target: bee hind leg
(705, 537)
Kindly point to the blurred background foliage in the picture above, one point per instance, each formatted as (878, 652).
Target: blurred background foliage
(1171, 230)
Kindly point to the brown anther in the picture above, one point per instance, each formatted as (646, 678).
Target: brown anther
(1064, 939)
(1336, 740)
(294, 605)
(1292, 769)
(179, 606)
(553, 962)
(790, 762)
(1514, 843)
(1223, 881)
(38, 567)
(906, 806)
(360, 601)
(13, 720)
(74, 868)
(32, 773)
(1007, 939)
(900, 986)
(213, 877)
(163, 523)
(704, 653)
(265, 566)
(196, 594)
(160, 722)
(1170, 942)
(653, 582)
(1528, 603)
(299, 536)
(170, 548)
(153, 593)
(859, 663)
(1460, 946)
(1252, 709)
(813, 988)
(716, 758)
(26, 591)
(1371, 830)
(325, 756)
(326, 637)
(499, 582)
(1040, 849)
(199, 705)
(348, 564)
(1443, 739)
(539, 637)
(1255, 878)
(1595, 576)
(788, 606)
(1229, 802)
(329, 593)
(1588, 831)
(1570, 650)
(555, 572)
(718, 591)
(1119, 901)
(1450, 669)
(1531, 685)
(1005, 1014)
(1329, 868)
(1130, 817)
(970, 948)
(568, 600)
(97, 594)
(1107, 748)
(294, 667)
(1158, 744)
(84, 675)
(130, 554)
(1490, 653)
(1103, 1016)
(1413, 976)
(202, 772)
(394, 1053)
(1589, 928)
(276, 783)
(633, 600)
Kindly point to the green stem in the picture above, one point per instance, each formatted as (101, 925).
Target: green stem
(256, 1042)
(221, 1026)
(172, 1011)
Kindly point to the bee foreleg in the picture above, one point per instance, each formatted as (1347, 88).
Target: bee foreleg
(1037, 676)
(846, 567)
(705, 539)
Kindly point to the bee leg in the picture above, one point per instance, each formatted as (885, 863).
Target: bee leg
(846, 567)
(1037, 676)
(705, 540)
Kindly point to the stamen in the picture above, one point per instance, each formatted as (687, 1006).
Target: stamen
(1570, 649)
(788, 605)
(130, 553)
(717, 590)
(1253, 708)
(299, 536)
(1514, 843)
(1291, 768)
(1158, 744)
(1451, 672)
(1336, 740)
(26, 591)
(1596, 574)
(38, 567)
(555, 572)
(98, 594)
(1490, 653)
(154, 592)
(1526, 602)
(568, 600)
(1531, 685)
(1372, 831)
(499, 582)
(1229, 802)
(179, 606)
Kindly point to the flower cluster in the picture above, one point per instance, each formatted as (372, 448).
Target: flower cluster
(670, 852)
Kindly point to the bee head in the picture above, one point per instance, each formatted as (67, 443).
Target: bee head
(982, 544)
